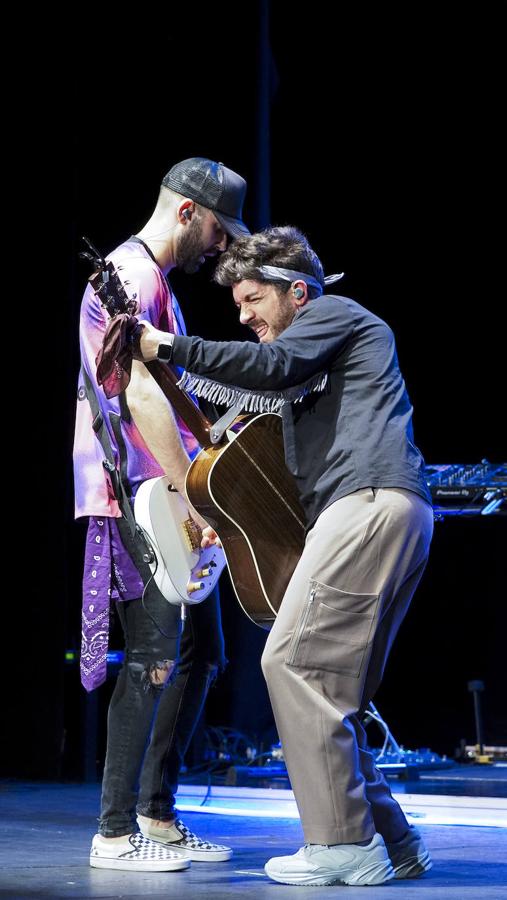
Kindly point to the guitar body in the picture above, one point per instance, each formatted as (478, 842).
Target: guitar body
(245, 491)
(183, 572)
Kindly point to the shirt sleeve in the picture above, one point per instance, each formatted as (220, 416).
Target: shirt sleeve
(151, 290)
(142, 280)
(316, 336)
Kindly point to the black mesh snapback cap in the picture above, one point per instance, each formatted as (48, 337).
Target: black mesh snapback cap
(214, 186)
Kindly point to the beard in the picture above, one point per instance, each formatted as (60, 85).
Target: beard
(190, 248)
(281, 320)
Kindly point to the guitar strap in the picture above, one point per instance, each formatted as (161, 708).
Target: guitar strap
(117, 479)
(221, 425)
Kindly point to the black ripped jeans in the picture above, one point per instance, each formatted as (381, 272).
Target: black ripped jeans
(150, 726)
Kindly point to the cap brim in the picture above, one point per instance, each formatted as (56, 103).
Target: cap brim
(235, 228)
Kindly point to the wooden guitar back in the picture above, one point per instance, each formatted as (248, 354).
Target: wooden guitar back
(245, 491)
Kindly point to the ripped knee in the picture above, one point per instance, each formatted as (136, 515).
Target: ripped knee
(158, 674)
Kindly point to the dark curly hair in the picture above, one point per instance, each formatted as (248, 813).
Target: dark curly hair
(283, 246)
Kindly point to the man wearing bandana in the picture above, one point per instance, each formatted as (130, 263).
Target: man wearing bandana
(330, 366)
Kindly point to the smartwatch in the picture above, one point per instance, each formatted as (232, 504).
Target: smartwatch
(165, 351)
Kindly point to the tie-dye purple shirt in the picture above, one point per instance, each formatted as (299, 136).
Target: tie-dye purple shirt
(141, 276)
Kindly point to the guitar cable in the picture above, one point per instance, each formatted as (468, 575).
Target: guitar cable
(155, 561)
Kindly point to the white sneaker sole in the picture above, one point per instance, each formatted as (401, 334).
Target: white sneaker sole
(374, 875)
(206, 855)
(140, 865)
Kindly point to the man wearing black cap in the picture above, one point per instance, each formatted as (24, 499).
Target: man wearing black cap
(215, 187)
(199, 207)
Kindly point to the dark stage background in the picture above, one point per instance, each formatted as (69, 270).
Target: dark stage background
(381, 139)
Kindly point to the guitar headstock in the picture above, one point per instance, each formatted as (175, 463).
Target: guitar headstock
(107, 285)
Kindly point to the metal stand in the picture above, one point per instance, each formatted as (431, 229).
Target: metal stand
(476, 688)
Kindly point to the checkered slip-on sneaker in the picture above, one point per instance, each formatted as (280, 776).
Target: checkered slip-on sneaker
(409, 856)
(179, 836)
(136, 854)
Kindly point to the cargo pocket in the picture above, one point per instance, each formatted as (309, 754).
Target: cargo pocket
(333, 630)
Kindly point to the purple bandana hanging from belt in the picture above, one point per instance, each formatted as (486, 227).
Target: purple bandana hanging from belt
(109, 574)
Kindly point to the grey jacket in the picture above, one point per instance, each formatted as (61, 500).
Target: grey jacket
(349, 430)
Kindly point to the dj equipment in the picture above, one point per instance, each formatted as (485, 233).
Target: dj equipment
(468, 490)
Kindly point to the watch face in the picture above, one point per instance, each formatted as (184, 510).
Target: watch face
(164, 352)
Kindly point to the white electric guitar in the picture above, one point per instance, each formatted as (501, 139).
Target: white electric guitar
(183, 572)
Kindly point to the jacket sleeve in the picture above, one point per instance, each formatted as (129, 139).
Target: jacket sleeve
(316, 336)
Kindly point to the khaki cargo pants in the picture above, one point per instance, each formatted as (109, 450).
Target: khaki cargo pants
(326, 653)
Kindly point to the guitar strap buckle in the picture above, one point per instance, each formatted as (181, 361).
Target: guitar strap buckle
(219, 428)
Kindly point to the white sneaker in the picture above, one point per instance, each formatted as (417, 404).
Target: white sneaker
(337, 864)
(136, 854)
(180, 837)
(409, 856)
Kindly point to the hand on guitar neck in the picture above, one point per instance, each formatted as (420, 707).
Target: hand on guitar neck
(149, 339)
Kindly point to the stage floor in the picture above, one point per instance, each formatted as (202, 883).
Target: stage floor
(46, 831)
